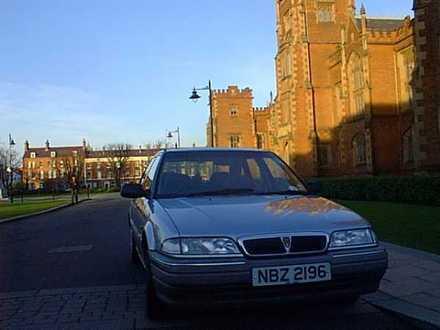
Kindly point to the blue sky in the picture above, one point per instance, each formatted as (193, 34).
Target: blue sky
(121, 71)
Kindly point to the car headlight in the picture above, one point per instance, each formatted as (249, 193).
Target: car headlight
(200, 246)
(352, 238)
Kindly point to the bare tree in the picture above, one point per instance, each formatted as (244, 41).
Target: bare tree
(117, 157)
(73, 175)
(10, 164)
(159, 144)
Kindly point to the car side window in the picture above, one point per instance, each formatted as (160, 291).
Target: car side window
(281, 177)
(150, 173)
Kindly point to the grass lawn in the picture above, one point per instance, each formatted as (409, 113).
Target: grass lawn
(414, 226)
(17, 208)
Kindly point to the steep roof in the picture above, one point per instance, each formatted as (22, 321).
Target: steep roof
(129, 153)
(60, 151)
(382, 24)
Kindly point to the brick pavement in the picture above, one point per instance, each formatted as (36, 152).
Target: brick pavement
(123, 307)
(93, 307)
(411, 285)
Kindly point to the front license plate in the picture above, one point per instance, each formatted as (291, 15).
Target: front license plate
(285, 275)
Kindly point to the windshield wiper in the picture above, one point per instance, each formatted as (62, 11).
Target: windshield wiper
(221, 192)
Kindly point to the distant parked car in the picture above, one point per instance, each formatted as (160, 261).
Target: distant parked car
(220, 225)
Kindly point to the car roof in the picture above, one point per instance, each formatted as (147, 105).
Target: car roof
(208, 149)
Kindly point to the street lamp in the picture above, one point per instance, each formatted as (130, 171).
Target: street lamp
(10, 169)
(170, 136)
(195, 97)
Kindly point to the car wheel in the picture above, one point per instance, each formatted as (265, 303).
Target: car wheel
(134, 257)
(156, 309)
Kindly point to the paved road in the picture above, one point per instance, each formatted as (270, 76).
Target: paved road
(37, 256)
(85, 248)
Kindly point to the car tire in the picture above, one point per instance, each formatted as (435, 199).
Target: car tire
(156, 309)
(134, 256)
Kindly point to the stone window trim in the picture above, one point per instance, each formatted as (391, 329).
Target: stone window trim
(261, 141)
(325, 155)
(356, 85)
(325, 11)
(233, 111)
(53, 154)
(33, 155)
(359, 144)
(286, 65)
(234, 141)
(407, 75)
(286, 23)
(407, 147)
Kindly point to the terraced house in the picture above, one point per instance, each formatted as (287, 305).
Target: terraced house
(51, 168)
(58, 168)
(356, 95)
(106, 169)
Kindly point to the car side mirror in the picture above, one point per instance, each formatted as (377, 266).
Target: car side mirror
(314, 187)
(134, 190)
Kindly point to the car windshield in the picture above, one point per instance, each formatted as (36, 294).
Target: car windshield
(198, 173)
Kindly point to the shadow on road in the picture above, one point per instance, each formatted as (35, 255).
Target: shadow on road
(285, 316)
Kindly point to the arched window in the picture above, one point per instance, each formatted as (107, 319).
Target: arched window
(359, 149)
(406, 63)
(326, 12)
(407, 147)
(286, 65)
(356, 85)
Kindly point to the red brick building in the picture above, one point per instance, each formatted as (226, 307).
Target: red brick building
(101, 167)
(356, 95)
(237, 124)
(426, 127)
(53, 168)
(48, 167)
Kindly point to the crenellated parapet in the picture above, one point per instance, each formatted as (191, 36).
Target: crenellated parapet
(261, 110)
(233, 91)
(377, 36)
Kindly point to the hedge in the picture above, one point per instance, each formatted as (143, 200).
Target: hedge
(407, 189)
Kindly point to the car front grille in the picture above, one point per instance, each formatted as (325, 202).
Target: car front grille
(308, 243)
(285, 244)
(264, 246)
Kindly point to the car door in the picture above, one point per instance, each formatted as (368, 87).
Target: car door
(141, 206)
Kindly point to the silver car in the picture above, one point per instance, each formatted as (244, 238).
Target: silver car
(222, 225)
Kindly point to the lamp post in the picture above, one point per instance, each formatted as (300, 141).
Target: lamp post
(10, 169)
(170, 136)
(195, 97)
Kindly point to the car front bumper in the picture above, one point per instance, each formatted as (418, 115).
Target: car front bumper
(222, 280)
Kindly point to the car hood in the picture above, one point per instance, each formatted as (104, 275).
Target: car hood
(237, 216)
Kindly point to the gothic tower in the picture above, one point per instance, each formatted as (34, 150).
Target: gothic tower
(308, 32)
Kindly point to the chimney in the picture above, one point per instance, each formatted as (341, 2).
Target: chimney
(47, 145)
(26, 145)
